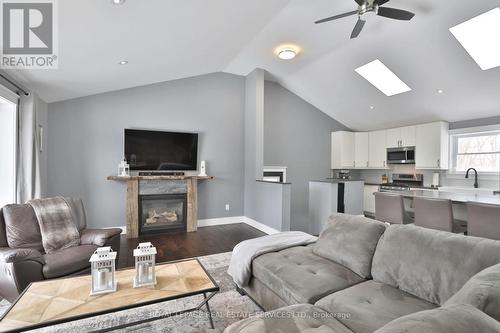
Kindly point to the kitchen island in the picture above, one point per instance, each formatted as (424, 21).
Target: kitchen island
(455, 197)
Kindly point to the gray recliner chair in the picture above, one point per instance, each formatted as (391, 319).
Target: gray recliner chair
(23, 259)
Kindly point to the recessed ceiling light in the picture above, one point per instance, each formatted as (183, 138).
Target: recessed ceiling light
(123, 62)
(479, 37)
(440, 91)
(118, 2)
(372, 107)
(287, 52)
(382, 78)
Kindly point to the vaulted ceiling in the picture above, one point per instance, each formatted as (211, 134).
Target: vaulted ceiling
(171, 39)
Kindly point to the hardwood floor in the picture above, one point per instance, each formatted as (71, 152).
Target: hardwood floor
(205, 241)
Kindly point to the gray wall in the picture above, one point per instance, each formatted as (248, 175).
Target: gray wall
(254, 136)
(297, 135)
(86, 141)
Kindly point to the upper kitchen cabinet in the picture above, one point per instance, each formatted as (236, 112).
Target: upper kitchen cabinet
(432, 146)
(342, 150)
(360, 150)
(377, 149)
(401, 137)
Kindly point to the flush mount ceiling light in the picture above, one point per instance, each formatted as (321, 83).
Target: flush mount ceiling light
(440, 91)
(479, 37)
(123, 62)
(118, 2)
(287, 52)
(382, 78)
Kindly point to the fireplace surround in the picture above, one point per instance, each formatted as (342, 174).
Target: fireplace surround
(138, 185)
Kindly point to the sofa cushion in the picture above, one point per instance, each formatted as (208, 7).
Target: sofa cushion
(455, 318)
(481, 291)
(350, 241)
(77, 212)
(295, 318)
(67, 261)
(21, 227)
(371, 305)
(431, 264)
(297, 275)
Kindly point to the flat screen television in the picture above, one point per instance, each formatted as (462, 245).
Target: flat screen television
(156, 150)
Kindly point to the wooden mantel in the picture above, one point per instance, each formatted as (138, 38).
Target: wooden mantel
(127, 178)
(133, 199)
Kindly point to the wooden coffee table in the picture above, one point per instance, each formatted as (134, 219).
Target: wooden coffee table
(58, 301)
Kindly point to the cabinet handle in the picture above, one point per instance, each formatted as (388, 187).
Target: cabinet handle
(384, 164)
(367, 164)
(354, 163)
(439, 163)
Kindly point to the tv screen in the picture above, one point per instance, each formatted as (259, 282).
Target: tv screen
(155, 150)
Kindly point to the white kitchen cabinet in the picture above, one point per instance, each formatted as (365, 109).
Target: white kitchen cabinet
(369, 198)
(377, 149)
(393, 137)
(401, 137)
(408, 136)
(432, 146)
(360, 150)
(342, 150)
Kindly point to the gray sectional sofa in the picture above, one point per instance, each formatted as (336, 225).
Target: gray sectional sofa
(362, 276)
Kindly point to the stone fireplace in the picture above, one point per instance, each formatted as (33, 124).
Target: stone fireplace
(164, 211)
(161, 213)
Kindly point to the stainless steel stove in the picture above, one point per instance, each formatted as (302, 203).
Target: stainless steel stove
(403, 182)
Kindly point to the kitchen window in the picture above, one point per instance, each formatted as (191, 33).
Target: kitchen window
(479, 150)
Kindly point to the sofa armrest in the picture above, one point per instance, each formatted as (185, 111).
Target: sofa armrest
(10, 256)
(98, 237)
(18, 268)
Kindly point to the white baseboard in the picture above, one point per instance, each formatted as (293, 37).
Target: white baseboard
(220, 221)
(228, 220)
(124, 229)
(262, 227)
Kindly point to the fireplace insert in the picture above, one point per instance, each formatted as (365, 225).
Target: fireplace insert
(162, 213)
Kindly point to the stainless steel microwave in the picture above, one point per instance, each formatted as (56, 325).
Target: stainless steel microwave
(401, 155)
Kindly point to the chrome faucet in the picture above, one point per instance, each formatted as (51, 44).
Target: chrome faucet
(476, 185)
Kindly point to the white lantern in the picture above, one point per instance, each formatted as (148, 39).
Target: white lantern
(102, 264)
(144, 265)
(123, 168)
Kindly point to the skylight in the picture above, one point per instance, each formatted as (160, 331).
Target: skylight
(479, 36)
(383, 78)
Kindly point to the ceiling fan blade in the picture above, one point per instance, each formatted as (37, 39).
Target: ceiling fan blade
(381, 2)
(331, 18)
(360, 2)
(393, 13)
(357, 28)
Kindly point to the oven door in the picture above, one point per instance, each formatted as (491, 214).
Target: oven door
(404, 155)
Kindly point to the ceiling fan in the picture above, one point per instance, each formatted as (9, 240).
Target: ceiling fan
(371, 7)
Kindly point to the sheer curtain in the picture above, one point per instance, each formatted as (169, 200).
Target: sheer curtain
(28, 151)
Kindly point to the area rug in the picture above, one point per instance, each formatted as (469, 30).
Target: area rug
(227, 307)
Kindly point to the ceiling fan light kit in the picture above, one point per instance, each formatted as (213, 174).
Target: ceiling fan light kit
(370, 7)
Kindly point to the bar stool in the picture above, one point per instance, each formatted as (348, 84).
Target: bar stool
(483, 220)
(434, 213)
(389, 208)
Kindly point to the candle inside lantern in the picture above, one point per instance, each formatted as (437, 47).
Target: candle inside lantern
(143, 273)
(101, 279)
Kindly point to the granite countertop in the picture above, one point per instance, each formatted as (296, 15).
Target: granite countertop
(454, 197)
